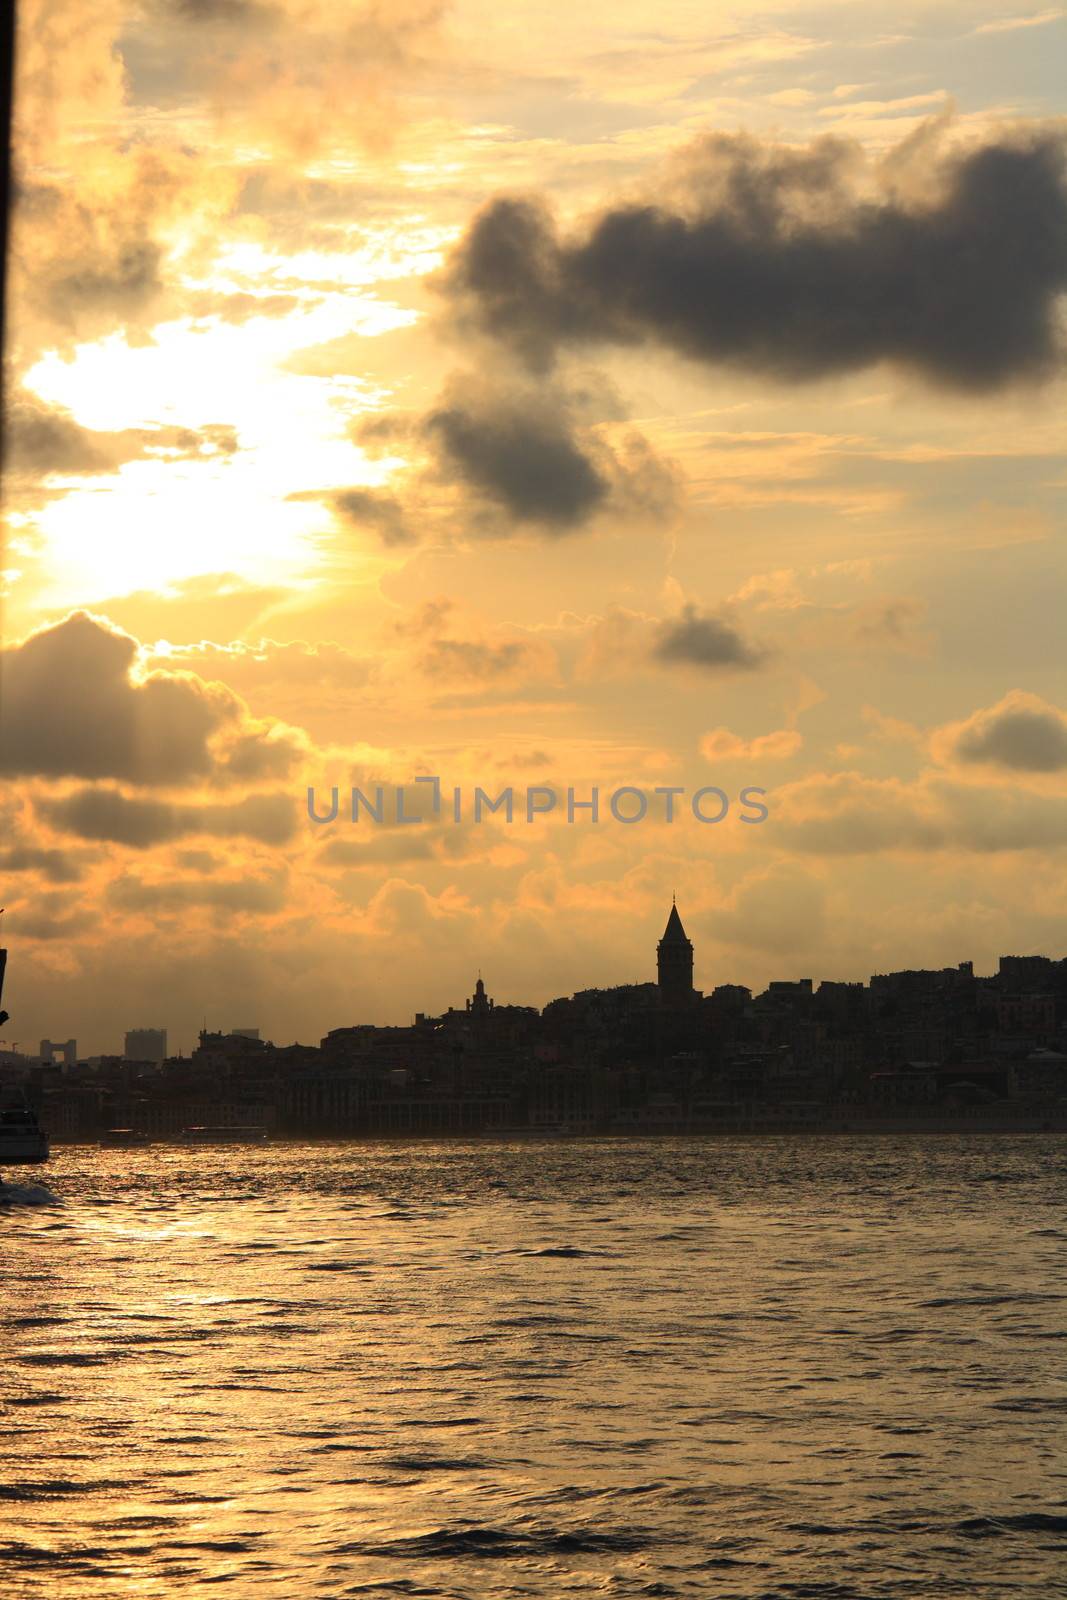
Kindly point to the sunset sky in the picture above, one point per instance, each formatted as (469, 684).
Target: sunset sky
(527, 393)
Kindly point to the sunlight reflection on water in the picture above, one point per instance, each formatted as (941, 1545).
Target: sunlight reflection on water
(778, 1367)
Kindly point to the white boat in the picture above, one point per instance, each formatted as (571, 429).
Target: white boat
(22, 1139)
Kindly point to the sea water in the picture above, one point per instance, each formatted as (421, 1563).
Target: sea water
(765, 1367)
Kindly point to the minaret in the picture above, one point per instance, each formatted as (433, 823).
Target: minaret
(674, 961)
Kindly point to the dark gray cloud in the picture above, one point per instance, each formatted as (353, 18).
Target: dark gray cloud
(1023, 737)
(775, 261)
(58, 866)
(700, 640)
(241, 12)
(107, 815)
(71, 708)
(382, 513)
(197, 861)
(525, 458)
(523, 455)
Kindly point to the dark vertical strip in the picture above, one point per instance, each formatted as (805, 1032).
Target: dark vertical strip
(7, 91)
(7, 94)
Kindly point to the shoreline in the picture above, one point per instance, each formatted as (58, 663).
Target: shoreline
(860, 1127)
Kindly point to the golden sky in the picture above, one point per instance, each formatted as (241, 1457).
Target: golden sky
(527, 394)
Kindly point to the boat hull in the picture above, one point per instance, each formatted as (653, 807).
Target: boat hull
(23, 1150)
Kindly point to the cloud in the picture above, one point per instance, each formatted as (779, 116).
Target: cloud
(698, 639)
(107, 815)
(890, 623)
(793, 263)
(777, 910)
(427, 620)
(213, 439)
(72, 708)
(847, 813)
(1039, 19)
(116, 212)
(39, 439)
(1022, 733)
(112, 265)
(220, 11)
(522, 456)
(549, 458)
(893, 621)
(49, 918)
(412, 844)
(189, 611)
(383, 513)
(722, 745)
(266, 667)
(891, 730)
(265, 752)
(196, 860)
(296, 76)
(75, 705)
(89, 251)
(499, 658)
(58, 866)
(622, 642)
(488, 661)
(614, 644)
(130, 893)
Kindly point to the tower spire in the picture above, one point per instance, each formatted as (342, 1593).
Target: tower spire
(674, 960)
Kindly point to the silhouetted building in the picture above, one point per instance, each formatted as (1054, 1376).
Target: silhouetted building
(674, 962)
(479, 1005)
(146, 1044)
(1025, 972)
(640, 1058)
(68, 1052)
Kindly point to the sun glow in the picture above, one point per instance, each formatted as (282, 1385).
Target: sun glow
(200, 371)
(165, 518)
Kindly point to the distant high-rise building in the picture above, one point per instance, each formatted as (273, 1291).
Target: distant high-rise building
(674, 961)
(68, 1051)
(146, 1044)
(244, 1033)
